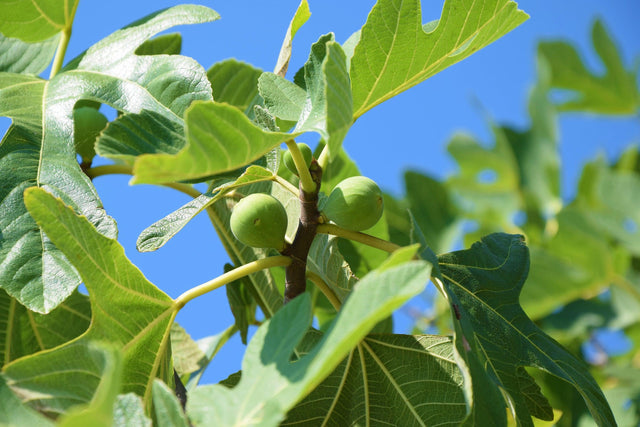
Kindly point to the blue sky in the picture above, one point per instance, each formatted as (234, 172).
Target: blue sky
(409, 131)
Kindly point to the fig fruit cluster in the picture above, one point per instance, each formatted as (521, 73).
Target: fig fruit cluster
(355, 204)
(259, 220)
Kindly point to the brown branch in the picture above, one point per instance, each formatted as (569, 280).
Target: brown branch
(295, 278)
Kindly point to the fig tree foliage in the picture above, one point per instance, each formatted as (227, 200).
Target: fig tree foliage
(324, 353)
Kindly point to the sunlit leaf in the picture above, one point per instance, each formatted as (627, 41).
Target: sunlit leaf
(235, 83)
(299, 18)
(38, 150)
(395, 51)
(127, 311)
(34, 21)
(220, 138)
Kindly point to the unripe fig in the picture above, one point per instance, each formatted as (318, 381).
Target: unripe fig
(307, 154)
(260, 221)
(88, 123)
(355, 204)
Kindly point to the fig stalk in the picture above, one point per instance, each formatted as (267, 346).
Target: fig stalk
(295, 277)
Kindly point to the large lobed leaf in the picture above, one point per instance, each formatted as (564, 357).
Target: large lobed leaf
(496, 338)
(388, 380)
(270, 384)
(127, 311)
(614, 92)
(395, 51)
(38, 149)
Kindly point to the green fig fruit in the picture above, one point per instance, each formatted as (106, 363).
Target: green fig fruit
(88, 123)
(260, 221)
(307, 154)
(355, 204)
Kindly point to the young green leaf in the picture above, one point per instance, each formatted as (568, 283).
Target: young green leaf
(615, 92)
(129, 411)
(299, 18)
(159, 233)
(484, 282)
(396, 52)
(327, 262)
(127, 311)
(271, 385)
(26, 58)
(32, 21)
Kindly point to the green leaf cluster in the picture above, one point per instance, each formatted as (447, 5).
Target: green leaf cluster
(117, 356)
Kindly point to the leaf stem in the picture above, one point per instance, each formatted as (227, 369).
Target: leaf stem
(325, 289)
(127, 170)
(235, 274)
(323, 159)
(63, 43)
(286, 184)
(306, 182)
(359, 237)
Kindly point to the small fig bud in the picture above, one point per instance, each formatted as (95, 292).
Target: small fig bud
(355, 204)
(88, 123)
(260, 221)
(307, 154)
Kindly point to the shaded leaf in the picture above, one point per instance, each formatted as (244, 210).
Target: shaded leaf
(388, 379)
(486, 281)
(34, 21)
(326, 261)
(99, 412)
(23, 332)
(166, 44)
(270, 384)
(127, 311)
(186, 353)
(235, 83)
(132, 135)
(242, 305)
(20, 57)
(167, 408)
(209, 347)
(433, 209)
(14, 413)
(614, 92)
(129, 411)
(395, 51)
